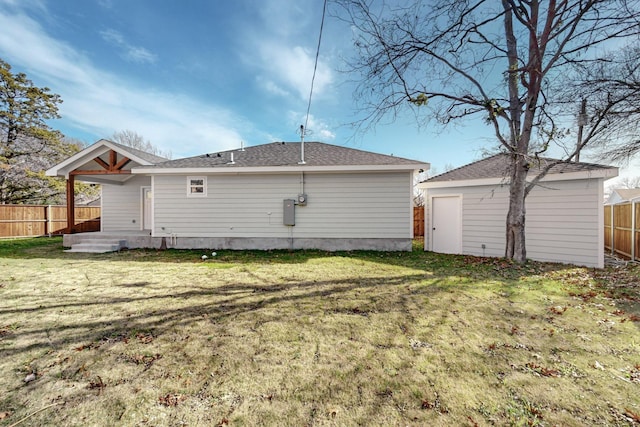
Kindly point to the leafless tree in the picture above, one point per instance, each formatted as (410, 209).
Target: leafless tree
(502, 60)
(612, 128)
(134, 140)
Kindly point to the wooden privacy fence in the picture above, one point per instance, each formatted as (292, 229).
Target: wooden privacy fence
(44, 220)
(418, 221)
(621, 230)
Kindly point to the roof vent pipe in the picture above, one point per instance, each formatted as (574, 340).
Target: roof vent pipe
(231, 162)
(301, 162)
(241, 145)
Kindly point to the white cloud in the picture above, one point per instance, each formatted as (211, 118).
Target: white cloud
(101, 103)
(107, 4)
(281, 48)
(271, 87)
(293, 67)
(131, 53)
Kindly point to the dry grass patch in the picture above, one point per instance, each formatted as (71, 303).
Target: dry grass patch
(312, 338)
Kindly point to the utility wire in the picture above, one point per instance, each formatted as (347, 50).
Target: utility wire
(315, 67)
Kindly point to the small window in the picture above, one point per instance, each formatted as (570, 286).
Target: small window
(196, 186)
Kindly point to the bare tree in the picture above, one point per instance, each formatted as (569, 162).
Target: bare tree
(134, 140)
(613, 85)
(501, 60)
(630, 182)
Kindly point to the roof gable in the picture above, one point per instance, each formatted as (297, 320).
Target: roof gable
(622, 195)
(85, 159)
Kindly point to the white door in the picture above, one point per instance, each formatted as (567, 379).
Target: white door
(147, 203)
(446, 224)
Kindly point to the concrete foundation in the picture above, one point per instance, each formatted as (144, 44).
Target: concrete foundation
(136, 240)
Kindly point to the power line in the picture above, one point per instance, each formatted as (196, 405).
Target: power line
(315, 67)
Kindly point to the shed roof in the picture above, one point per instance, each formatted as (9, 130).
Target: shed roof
(623, 195)
(497, 166)
(628, 193)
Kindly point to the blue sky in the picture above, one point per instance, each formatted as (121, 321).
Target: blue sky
(203, 75)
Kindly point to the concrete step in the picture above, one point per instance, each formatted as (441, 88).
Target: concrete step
(98, 246)
(101, 241)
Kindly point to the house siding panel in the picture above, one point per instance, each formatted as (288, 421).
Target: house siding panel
(122, 204)
(340, 205)
(562, 220)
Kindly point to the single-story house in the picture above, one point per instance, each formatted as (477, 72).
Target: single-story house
(623, 195)
(279, 195)
(466, 210)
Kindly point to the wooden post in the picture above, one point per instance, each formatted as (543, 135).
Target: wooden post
(613, 231)
(46, 220)
(71, 214)
(50, 224)
(633, 230)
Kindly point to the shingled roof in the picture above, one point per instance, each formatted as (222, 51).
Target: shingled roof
(277, 154)
(497, 166)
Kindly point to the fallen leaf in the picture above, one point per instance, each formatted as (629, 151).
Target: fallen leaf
(171, 399)
(98, 384)
(559, 310)
(145, 338)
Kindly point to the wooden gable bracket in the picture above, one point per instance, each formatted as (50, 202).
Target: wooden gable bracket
(114, 167)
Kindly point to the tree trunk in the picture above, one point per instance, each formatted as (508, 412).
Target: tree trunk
(515, 239)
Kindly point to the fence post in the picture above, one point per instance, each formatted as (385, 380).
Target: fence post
(633, 230)
(49, 224)
(613, 231)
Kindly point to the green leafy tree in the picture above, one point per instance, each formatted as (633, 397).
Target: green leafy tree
(505, 61)
(28, 145)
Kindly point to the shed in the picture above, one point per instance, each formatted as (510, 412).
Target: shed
(466, 209)
(623, 195)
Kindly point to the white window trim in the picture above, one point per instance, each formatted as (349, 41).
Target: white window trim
(204, 186)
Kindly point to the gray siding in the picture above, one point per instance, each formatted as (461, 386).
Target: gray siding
(122, 204)
(340, 205)
(563, 221)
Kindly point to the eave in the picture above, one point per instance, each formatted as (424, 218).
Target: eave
(604, 173)
(141, 170)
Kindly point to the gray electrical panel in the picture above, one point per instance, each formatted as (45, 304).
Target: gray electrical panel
(289, 212)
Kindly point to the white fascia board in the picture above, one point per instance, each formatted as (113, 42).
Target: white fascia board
(605, 173)
(276, 169)
(88, 154)
(463, 183)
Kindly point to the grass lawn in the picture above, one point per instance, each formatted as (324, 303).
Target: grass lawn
(312, 338)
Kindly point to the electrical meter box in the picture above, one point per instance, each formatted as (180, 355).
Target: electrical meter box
(289, 212)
